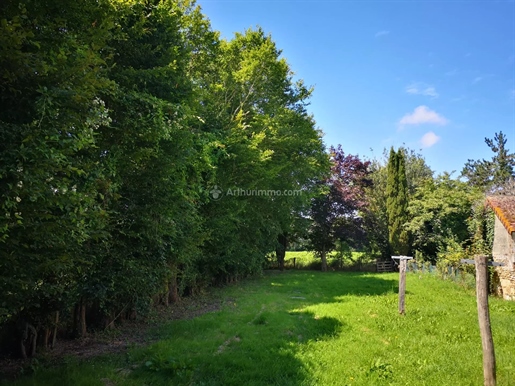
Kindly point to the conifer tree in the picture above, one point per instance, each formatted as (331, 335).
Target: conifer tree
(397, 202)
(495, 172)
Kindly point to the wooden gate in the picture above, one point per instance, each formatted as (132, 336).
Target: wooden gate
(384, 265)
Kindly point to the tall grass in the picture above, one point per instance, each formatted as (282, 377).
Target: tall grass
(313, 328)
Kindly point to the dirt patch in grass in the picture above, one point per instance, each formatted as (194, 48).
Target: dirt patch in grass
(225, 344)
(127, 335)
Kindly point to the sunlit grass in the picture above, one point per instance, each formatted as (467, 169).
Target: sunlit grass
(308, 260)
(312, 328)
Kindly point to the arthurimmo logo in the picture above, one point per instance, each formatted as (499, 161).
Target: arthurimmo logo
(215, 193)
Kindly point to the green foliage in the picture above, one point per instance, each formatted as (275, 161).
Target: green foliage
(451, 253)
(481, 226)
(376, 217)
(48, 123)
(380, 370)
(171, 366)
(397, 203)
(118, 118)
(486, 174)
(343, 251)
(334, 212)
(440, 214)
(262, 139)
(150, 154)
(350, 261)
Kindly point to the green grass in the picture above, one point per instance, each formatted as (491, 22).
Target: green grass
(303, 259)
(308, 260)
(312, 328)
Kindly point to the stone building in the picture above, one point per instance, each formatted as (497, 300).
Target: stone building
(504, 242)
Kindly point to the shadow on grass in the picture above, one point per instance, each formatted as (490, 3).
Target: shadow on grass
(329, 285)
(259, 352)
(257, 341)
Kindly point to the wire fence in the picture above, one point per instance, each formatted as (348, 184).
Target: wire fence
(463, 276)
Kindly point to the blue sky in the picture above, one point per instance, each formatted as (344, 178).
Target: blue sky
(436, 76)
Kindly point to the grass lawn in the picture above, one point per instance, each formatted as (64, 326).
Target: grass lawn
(312, 328)
(308, 260)
(303, 259)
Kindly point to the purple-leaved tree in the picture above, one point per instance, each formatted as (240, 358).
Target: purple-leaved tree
(335, 212)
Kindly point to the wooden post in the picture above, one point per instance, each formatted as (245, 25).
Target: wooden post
(483, 314)
(402, 285)
(402, 281)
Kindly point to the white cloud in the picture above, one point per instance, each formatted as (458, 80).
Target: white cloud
(421, 115)
(477, 79)
(381, 33)
(422, 89)
(458, 99)
(512, 93)
(429, 139)
(451, 73)
(412, 89)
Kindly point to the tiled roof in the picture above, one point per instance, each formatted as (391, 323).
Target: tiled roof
(504, 208)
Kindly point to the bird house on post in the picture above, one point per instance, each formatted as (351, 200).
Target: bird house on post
(402, 280)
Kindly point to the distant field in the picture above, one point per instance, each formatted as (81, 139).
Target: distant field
(307, 260)
(313, 328)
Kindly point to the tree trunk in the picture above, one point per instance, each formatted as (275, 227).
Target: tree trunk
(173, 287)
(47, 335)
(323, 256)
(79, 320)
(27, 339)
(43, 336)
(280, 250)
(161, 297)
(53, 340)
(109, 320)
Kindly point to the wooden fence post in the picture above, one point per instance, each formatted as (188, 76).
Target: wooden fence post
(483, 314)
(402, 281)
(402, 285)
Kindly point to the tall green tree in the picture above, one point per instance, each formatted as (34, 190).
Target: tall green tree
(53, 75)
(397, 202)
(495, 172)
(149, 151)
(439, 215)
(376, 216)
(262, 140)
(117, 119)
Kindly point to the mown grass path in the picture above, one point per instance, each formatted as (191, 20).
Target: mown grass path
(311, 328)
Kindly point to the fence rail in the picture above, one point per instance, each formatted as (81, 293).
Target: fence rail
(384, 265)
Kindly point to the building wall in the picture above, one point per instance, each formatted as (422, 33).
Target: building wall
(504, 252)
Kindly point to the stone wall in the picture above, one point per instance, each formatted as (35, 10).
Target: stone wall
(504, 252)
